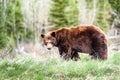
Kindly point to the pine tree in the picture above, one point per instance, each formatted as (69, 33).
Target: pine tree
(11, 28)
(115, 4)
(3, 36)
(14, 19)
(102, 15)
(14, 27)
(64, 13)
(115, 18)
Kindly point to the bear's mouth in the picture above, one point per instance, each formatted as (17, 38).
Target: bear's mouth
(49, 46)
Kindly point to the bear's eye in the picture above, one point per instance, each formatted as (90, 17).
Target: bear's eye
(45, 43)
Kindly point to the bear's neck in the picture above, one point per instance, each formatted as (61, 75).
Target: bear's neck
(61, 36)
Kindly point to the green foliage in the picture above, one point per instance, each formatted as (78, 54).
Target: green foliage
(64, 13)
(102, 15)
(89, 4)
(3, 36)
(14, 19)
(115, 4)
(12, 30)
(26, 67)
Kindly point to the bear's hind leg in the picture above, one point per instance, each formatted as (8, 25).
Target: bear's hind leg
(75, 56)
(99, 49)
(94, 55)
(99, 55)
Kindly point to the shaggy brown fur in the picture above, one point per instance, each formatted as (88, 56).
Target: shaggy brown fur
(86, 39)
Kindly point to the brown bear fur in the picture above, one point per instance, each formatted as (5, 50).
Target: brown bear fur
(85, 39)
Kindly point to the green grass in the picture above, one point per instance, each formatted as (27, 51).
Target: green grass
(26, 67)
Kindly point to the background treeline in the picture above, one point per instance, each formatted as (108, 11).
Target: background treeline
(12, 29)
(24, 20)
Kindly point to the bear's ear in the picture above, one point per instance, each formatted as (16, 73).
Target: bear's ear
(53, 34)
(42, 35)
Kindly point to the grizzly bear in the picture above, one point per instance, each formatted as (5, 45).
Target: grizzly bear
(84, 39)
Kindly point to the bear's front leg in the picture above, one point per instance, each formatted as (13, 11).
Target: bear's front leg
(68, 53)
(75, 56)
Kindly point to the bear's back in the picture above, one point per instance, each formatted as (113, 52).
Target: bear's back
(78, 31)
(85, 30)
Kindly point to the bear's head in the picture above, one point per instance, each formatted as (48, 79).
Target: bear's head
(49, 39)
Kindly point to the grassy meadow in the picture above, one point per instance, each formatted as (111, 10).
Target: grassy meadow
(28, 67)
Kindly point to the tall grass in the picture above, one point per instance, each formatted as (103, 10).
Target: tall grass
(27, 67)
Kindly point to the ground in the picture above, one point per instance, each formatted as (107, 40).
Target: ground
(47, 67)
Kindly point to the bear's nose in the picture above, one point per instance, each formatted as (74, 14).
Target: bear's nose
(49, 48)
